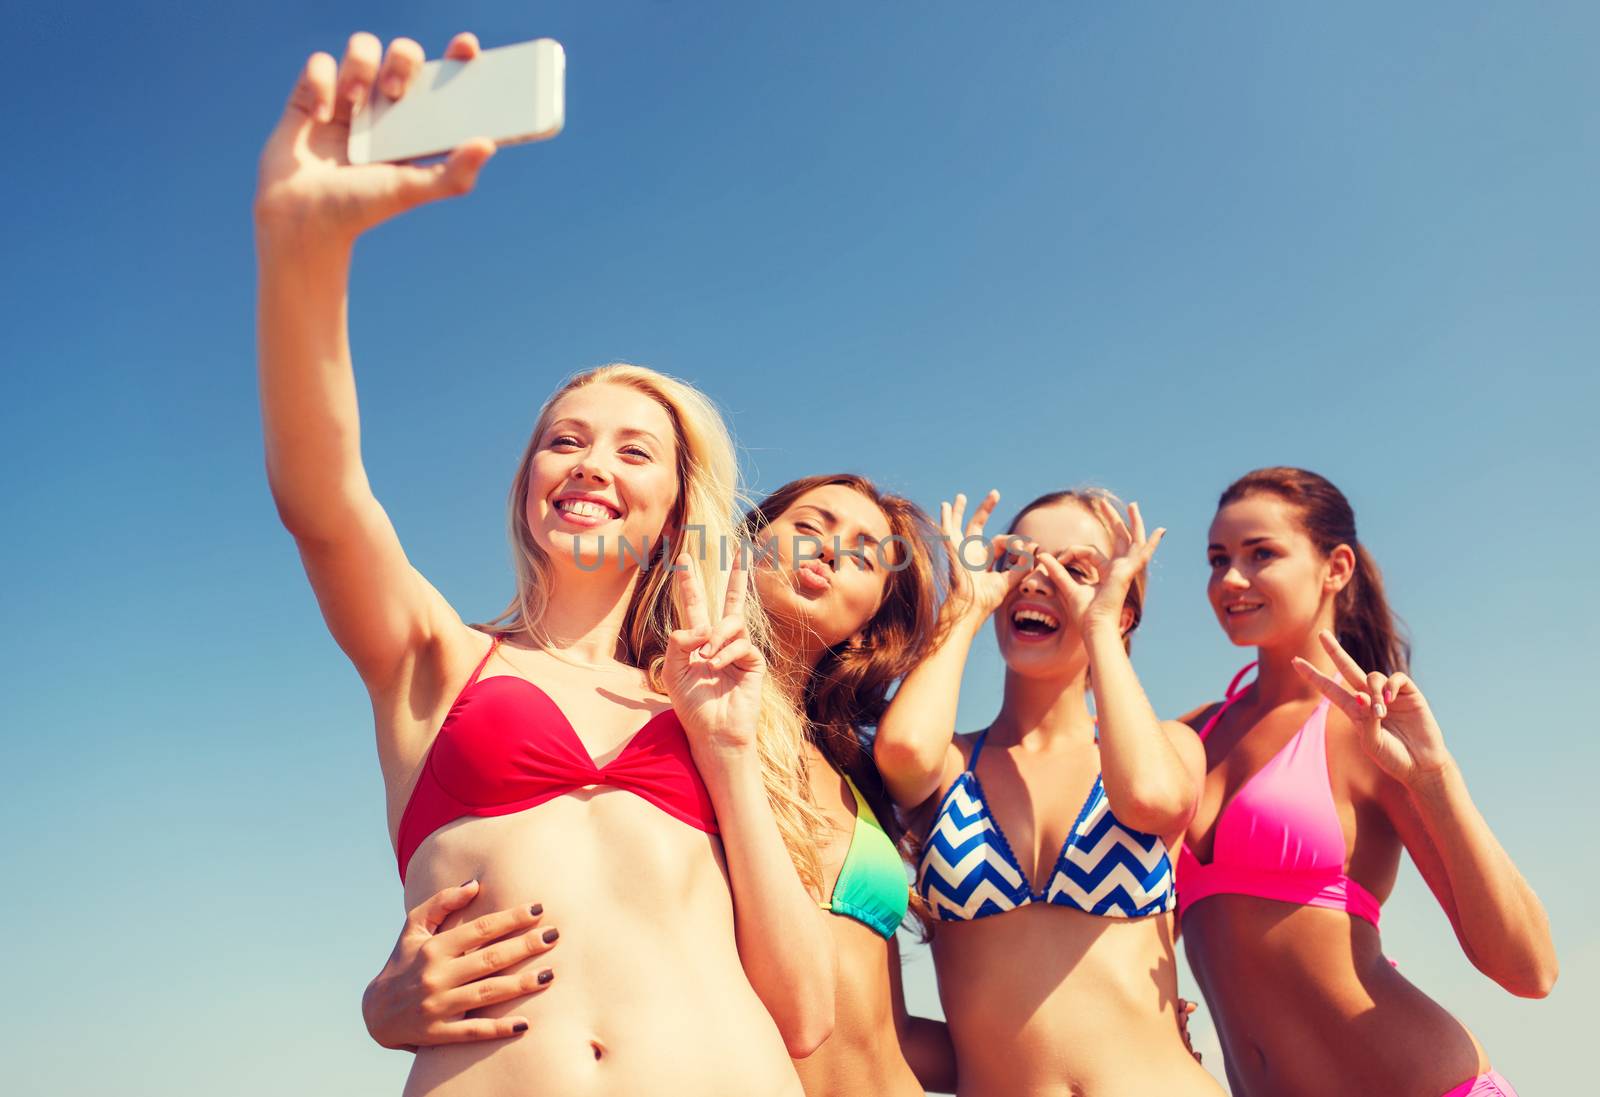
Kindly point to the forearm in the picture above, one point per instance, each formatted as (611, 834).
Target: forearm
(1503, 925)
(914, 734)
(925, 1043)
(309, 412)
(1146, 780)
(783, 938)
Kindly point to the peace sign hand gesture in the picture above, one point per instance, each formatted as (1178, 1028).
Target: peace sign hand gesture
(1095, 586)
(714, 673)
(1397, 728)
(978, 587)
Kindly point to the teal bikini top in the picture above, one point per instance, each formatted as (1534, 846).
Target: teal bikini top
(872, 887)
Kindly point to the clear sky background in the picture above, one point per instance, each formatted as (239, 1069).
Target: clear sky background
(1025, 243)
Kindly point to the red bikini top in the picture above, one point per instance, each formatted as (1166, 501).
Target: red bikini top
(506, 746)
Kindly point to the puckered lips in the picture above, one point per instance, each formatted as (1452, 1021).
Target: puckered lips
(813, 577)
(584, 509)
(1033, 622)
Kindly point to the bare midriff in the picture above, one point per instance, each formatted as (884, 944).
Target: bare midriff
(863, 1055)
(1305, 1003)
(1054, 1002)
(648, 996)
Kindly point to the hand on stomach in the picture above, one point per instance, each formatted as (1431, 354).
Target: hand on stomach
(648, 993)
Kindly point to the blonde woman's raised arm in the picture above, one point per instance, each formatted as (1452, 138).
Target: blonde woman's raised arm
(310, 206)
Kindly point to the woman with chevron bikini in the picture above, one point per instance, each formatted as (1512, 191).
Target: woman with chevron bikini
(1051, 834)
(1320, 771)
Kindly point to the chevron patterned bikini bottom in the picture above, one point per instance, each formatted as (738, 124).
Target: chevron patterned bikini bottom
(969, 871)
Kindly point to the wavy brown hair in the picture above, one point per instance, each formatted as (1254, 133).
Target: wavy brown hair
(1367, 628)
(846, 693)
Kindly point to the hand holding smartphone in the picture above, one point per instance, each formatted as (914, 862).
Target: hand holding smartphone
(510, 94)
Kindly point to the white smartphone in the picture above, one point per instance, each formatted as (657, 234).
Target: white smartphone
(510, 93)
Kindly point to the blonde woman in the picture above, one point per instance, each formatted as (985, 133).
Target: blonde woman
(607, 744)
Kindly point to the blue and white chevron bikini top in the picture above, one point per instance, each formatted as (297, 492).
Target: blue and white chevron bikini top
(968, 870)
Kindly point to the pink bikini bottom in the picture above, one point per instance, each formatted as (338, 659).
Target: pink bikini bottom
(1484, 1085)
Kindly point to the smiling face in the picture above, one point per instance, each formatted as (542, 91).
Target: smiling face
(603, 475)
(1035, 633)
(1270, 586)
(825, 593)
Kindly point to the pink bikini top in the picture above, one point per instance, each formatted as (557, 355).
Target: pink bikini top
(1279, 836)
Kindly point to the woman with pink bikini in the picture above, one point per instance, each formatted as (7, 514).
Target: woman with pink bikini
(1318, 773)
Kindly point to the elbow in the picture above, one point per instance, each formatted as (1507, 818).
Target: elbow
(1155, 814)
(898, 758)
(809, 1029)
(1536, 980)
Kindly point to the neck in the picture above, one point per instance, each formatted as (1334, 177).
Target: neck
(1277, 682)
(1043, 711)
(584, 616)
(796, 651)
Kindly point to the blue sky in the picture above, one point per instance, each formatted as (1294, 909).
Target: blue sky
(1025, 244)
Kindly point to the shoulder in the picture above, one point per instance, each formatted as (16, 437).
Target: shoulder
(1196, 719)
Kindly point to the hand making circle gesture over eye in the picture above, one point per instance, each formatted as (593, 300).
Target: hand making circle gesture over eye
(306, 182)
(984, 570)
(713, 672)
(1397, 728)
(1095, 586)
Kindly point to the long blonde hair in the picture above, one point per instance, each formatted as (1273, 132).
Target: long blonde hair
(708, 499)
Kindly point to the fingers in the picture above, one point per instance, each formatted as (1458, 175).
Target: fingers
(432, 911)
(691, 602)
(457, 175)
(1349, 701)
(1058, 573)
(1119, 528)
(721, 635)
(463, 47)
(312, 98)
(1376, 684)
(476, 1029)
(356, 73)
(981, 515)
(738, 585)
(1398, 684)
(400, 65)
(951, 515)
(489, 927)
(1347, 666)
(1137, 521)
(498, 956)
(488, 992)
(740, 652)
(1151, 545)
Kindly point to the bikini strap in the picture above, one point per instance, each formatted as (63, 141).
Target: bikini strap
(477, 670)
(1228, 698)
(1233, 686)
(977, 745)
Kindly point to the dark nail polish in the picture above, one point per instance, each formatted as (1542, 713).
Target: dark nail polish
(550, 936)
(536, 910)
(520, 1027)
(545, 976)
